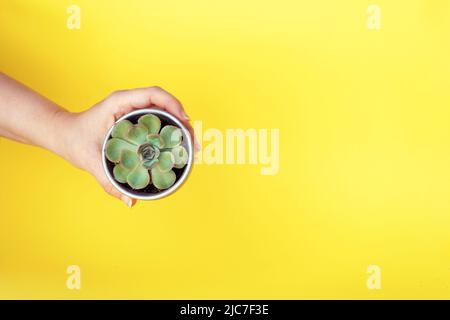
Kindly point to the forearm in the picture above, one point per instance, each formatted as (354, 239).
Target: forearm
(27, 117)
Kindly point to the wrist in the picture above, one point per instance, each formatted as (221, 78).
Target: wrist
(62, 124)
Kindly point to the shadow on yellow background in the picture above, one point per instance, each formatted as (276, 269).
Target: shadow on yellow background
(364, 174)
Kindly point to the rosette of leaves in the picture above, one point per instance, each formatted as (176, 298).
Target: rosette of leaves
(145, 154)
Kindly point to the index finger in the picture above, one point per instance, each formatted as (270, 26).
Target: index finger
(126, 100)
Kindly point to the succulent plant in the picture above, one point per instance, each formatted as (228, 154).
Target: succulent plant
(144, 153)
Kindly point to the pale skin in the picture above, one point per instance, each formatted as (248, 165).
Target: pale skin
(27, 117)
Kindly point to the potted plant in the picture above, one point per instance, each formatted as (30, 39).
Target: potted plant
(147, 154)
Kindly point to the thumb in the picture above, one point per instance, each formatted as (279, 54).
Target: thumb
(111, 190)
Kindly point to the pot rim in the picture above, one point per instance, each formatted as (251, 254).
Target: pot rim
(178, 183)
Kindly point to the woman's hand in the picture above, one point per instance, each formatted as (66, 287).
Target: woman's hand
(28, 117)
(86, 131)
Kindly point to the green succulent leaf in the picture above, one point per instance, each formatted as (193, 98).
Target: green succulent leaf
(121, 173)
(155, 140)
(114, 148)
(137, 134)
(121, 129)
(180, 156)
(129, 159)
(162, 180)
(138, 178)
(149, 163)
(171, 136)
(151, 121)
(166, 161)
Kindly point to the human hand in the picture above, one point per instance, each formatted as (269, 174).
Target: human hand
(86, 130)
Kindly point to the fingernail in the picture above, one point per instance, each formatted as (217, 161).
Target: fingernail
(197, 146)
(127, 201)
(184, 115)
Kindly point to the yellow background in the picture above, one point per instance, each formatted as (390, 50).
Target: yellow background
(364, 151)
